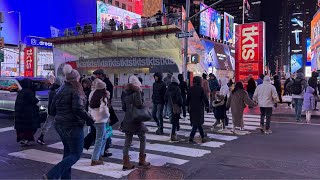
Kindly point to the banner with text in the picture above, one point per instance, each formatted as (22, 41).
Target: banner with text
(250, 50)
(29, 61)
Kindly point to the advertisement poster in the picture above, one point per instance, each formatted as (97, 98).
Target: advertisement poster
(315, 42)
(296, 62)
(309, 52)
(250, 50)
(228, 30)
(210, 22)
(105, 12)
(29, 62)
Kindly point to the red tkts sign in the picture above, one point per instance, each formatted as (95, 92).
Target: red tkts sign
(29, 62)
(250, 50)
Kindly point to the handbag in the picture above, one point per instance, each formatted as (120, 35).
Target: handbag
(109, 131)
(140, 114)
(287, 98)
(175, 107)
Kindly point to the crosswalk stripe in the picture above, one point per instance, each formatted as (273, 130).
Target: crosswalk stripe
(108, 169)
(210, 123)
(154, 159)
(184, 151)
(162, 138)
(6, 129)
(247, 120)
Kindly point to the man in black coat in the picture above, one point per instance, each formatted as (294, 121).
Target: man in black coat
(159, 90)
(184, 91)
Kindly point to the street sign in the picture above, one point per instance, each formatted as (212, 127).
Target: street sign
(194, 59)
(1, 42)
(184, 34)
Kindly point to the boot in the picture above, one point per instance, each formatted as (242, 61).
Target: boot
(159, 131)
(126, 163)
(174, 138)
(142, 160)
(96, 163)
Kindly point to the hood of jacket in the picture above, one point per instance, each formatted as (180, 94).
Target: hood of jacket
(130, 88)
(310, 90)
(159, 75)
(300, 76)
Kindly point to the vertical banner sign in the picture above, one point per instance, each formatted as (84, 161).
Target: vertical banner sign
(250, 50)
(228, 30)
(29, 62)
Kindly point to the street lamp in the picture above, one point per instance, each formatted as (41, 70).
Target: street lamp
(19, 45)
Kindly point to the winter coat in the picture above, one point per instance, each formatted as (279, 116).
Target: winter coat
(205, 86)
(214, 85)
(68, 107)
(183, 87)
(266, 95)
(109, 87)
(277, 85)
(101, 114)
(87, 92)
(309, 101)
(159, 90)
(251, 86)
(219, 109)
(304, 84)
(237, 101)
(313, 82)
(132, 97)
(173, 95)
(286, 91)
(26, 109)
(197, 101)
(52, 93)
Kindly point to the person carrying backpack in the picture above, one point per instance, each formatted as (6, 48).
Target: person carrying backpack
(297, 88)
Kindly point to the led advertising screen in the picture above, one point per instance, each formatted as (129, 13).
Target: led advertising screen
(105, 12)
(228, 30)
(37, 16)
(309, 52)
(296, 62)
(250, 50)
(210, 22)
(218, 55)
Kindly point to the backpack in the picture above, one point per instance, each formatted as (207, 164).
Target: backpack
(296, 87)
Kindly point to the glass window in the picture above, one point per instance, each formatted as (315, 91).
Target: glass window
(124, 6)
(117, 3)
(8, 85)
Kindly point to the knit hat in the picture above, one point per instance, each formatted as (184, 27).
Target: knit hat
(70, 73)
(100, 85)
(135, 81)
(267, 79)
(175, 79)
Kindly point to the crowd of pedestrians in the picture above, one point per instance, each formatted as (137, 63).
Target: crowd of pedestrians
(81, 110)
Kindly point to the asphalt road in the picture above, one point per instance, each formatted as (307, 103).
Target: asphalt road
(291, 151)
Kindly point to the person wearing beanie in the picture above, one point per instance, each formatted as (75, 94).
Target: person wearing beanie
(266, 96)
(297, 88)
(184, 91)
(158, 92)
(68, 108)
(99, 111)
(130, 127)
(50, 118)
(174, 102)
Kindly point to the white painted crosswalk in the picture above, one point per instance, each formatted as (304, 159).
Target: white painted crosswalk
(160, 151)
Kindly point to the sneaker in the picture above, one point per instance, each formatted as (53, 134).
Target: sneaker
(174, 138)
(41, 141)
(24, 143)
(159, 131)
(268, 131)
(96, 163)
(106, 154)
(166, 117)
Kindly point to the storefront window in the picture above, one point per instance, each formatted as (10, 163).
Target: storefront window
(10, 65)
(44, 58)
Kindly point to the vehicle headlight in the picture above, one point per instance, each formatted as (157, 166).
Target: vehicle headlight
(43, 107)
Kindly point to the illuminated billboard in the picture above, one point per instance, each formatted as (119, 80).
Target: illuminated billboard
(315, 42)
(210, 22)
(309, 52)
(296, 62)
(228, 30)
(105, 12)
(250, 50)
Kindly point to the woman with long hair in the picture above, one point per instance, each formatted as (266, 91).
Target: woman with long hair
(99, 110)
(237, 101)
(68, 107)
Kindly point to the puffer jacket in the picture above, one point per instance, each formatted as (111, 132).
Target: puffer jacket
(68, 107)
(309, 100)
(101, 114)
(159, 90)
(300, 77)
(266, 94)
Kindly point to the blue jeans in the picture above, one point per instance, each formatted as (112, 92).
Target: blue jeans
(100, 141)
(157, 114)
(72, 139)
(298, 107)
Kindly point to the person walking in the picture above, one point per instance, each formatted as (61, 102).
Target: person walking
(130, 127)
(174, 98)
(102, 75)
(309, 103)
(225, 92)
(159, 90)
(297, 87)
(166, 109)
(205, 85)
(277, 85)
(99, 110)
(286, 91)
(313, 82)
(237, 102)
(197, 101)
(50, 118)
(214, 87)
(184, 91)
(87, 86)
(68, 107)
(266, 95)
(251, 86)
(27, 119)
(219, 110)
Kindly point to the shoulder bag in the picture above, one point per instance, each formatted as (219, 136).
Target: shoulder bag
(140, 114)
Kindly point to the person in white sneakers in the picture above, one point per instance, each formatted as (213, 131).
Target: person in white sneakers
(266, 96)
